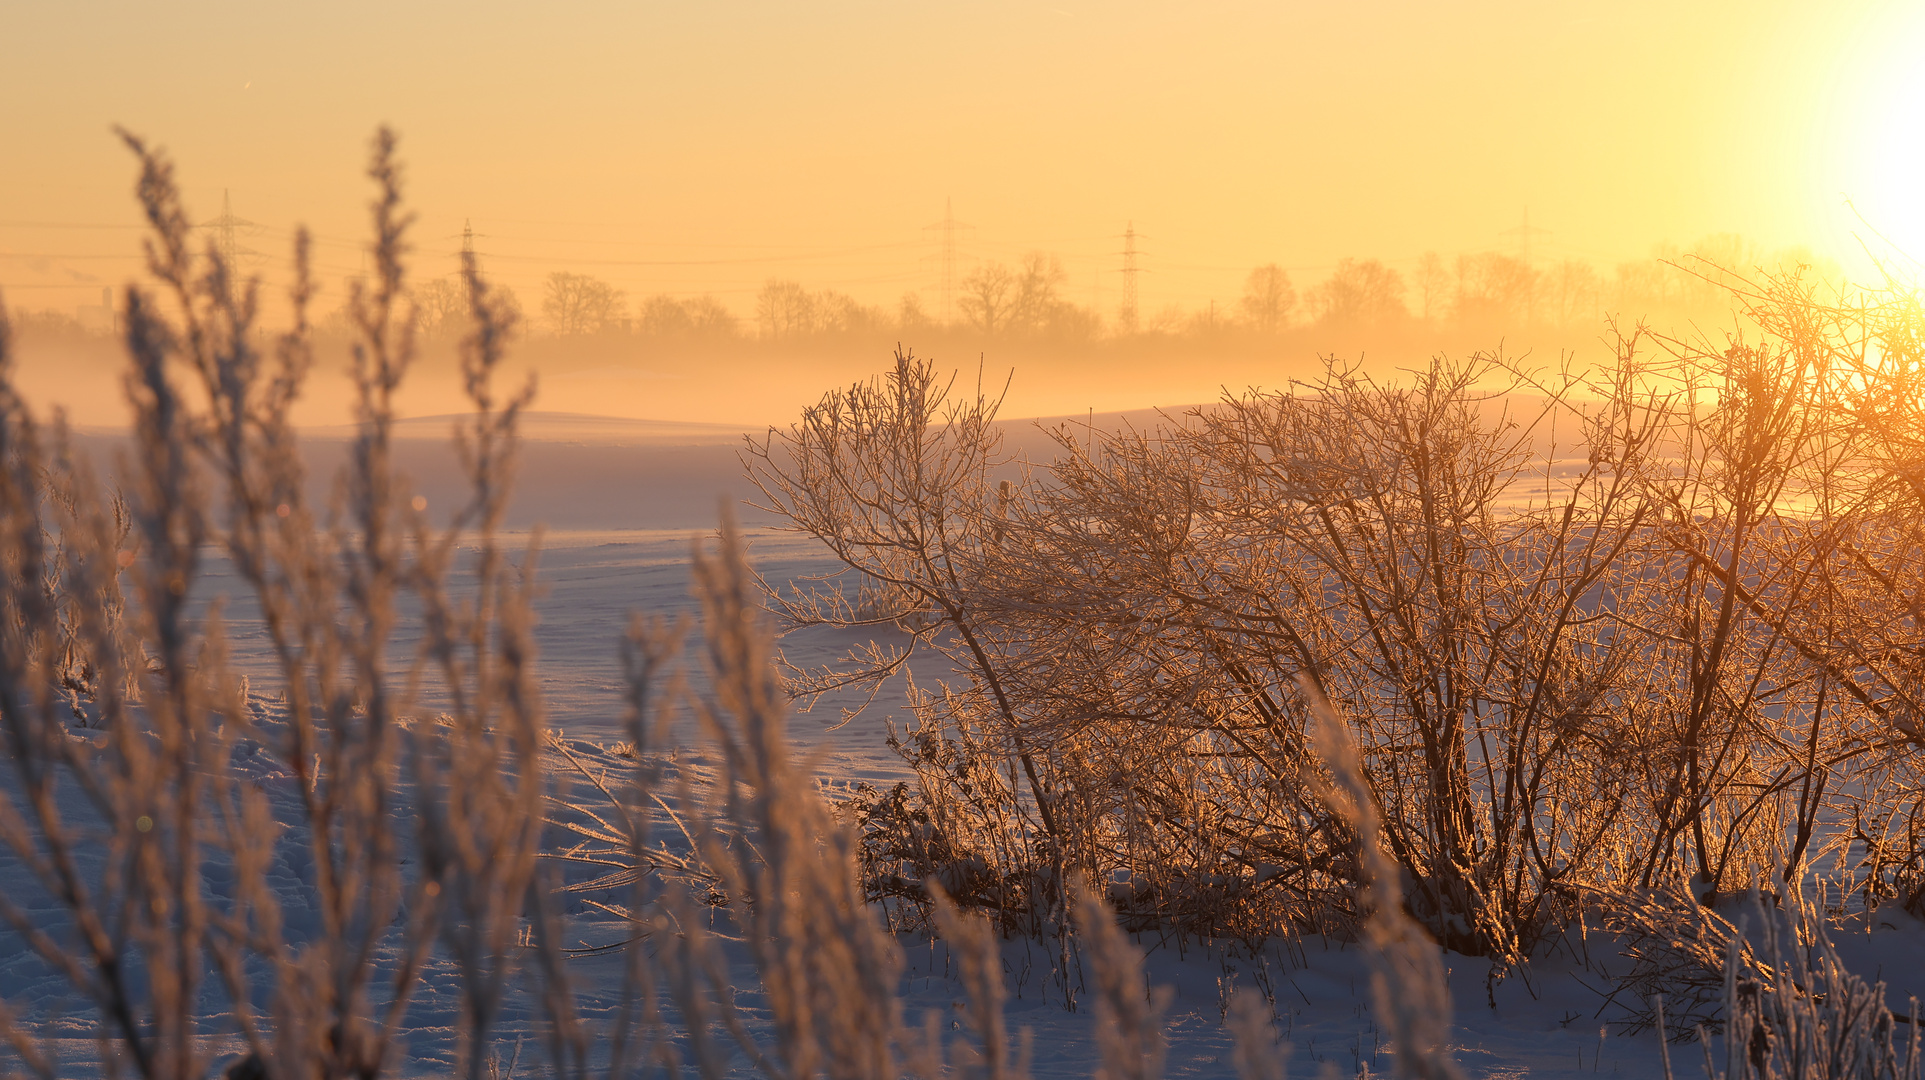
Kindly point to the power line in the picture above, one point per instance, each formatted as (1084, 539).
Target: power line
(57, 255)
(808, 257)
(46, 285)
(63, 225)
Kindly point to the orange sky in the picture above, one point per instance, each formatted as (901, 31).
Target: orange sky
(698, 148)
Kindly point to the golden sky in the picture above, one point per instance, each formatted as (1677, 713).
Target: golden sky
(704, 147)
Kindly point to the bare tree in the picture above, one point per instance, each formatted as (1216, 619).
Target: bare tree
(663, 316)
(895, 478)
(1358, 293)
(1638, 674)
(784, 309)
(912, 317)
(1034, 307)
(988, 298)
(1573, 294)
(840, 313)
(441, 307)
(1268, 298)
(1494, 291)
(1433, 286)
(702, 316)
(577, 304)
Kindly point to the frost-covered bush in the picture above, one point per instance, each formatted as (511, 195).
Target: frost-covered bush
(1612, 644)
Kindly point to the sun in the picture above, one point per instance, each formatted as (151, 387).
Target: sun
(1893, 201)
(1875, 163)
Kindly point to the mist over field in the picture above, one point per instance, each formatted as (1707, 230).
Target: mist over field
(596, 350)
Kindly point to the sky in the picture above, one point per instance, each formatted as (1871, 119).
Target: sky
(704, 148)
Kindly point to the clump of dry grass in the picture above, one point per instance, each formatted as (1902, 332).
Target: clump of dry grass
(162, 833)
(1793, 1011)
(1407, 973)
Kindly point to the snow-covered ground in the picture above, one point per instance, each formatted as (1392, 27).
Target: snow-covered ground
(1544, 1022)
(590, 583)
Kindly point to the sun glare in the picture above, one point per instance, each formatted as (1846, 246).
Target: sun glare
(1875, 166)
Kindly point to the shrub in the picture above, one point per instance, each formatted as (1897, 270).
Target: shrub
(1614, 678)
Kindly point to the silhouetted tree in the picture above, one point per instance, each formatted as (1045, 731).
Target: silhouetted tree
(576, 304)
(1359, 291)
(1036, 301)
(1069, 322)
(988, 295)
(1268, 298)
(1494, 289)
(1573, 293)
(707, 315)
(665, 316)
(1433, 285)
(784, 309)
(1695, 282)
(441, 307)
(911, 316)
(840, 313)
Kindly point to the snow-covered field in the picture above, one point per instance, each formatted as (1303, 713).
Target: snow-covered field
(1542, 1022)
(1549, 1021)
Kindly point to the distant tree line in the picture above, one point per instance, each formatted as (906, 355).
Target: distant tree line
(1478, 293)
(1488, 291)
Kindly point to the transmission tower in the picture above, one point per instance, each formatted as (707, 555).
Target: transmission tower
(226, 231)
(947, 229)
(468, 237)
(1127, 313)
(1524, 233)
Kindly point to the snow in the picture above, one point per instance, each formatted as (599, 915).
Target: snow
(1542, 1022)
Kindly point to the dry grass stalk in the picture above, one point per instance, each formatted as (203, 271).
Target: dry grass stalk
(1407, 969)
(1795, 1013)
(175, 894)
